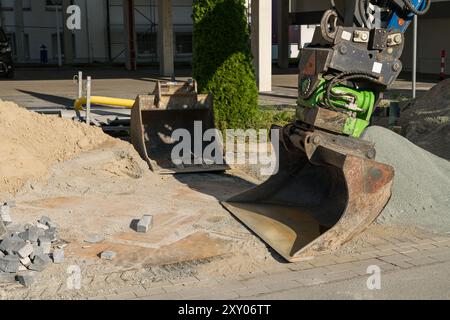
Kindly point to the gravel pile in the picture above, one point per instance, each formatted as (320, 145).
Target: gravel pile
(426, 121)
(421, 191)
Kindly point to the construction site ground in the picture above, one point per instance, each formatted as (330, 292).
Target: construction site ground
(196, 249)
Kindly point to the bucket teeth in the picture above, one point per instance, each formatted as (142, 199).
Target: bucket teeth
(322, 196)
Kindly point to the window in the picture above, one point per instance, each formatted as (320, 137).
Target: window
(146, 42)
(13, 43)
(51, 4)
(3, 37)
(183, 43)
(55, 45)
(8, 5)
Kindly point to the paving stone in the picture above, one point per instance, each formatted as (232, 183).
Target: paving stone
(387, 267)
(185, 281)
(3, 230)
(343, 258)
(359, 267)
(52, 224)
(5, 215)
(42, 226)
(222, 295)
(128, 289)
(340, 275)
(25, 251)
(404, 250)
(40, 262)
(441, 257)
(9, 264)
(26, 262)
(108, 255)
(31, 234)
(22, 268)
(283, 285)
(37, 250)
(52, 234)
(144, 224)
(6, 277)
(387, 252)
(422, 261)
(11, 244)
(142, 292)
(395, 258)
(323, 261)
(94, 238)
(11, 203)
(45, 243)
(58, 256)
(442, 244)
(252, 291)
(417, 254)
(211, 283)
(123, 296)
(44, 220)
(298, 266)
(27, 279)
(164, 296)
(285, 276)
(365, 256)
(425, 246)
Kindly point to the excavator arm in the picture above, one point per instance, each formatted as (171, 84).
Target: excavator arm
(329, 187)
(354, 56)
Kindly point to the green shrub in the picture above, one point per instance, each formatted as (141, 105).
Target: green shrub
(222, 61)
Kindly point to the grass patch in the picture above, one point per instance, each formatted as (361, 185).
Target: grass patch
(268, 116)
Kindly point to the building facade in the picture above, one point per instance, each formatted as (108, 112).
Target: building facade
(101, 37)
(32, 25)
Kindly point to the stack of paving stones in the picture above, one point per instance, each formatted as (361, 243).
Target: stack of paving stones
(27, 250)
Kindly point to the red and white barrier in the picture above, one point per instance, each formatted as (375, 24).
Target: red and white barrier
(442, 74)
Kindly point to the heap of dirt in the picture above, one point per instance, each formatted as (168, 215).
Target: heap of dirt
(425, 121)
(421, 191)
(30, 143)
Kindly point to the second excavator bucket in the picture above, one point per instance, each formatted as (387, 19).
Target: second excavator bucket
(172, 106)
(327, 190)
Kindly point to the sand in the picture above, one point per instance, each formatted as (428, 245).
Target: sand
(31, 143)
(425, 121)
(421, 191)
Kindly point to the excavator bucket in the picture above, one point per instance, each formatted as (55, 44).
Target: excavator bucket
(327, 190)
(173, 105)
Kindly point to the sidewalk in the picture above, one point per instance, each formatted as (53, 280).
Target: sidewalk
(328, 276)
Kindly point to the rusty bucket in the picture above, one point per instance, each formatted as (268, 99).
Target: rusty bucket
(172, 106)
(327, 190)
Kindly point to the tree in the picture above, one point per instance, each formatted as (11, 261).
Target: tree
(223, 63)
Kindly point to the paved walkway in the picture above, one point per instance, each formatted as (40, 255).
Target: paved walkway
(60, 89)
(413, 268)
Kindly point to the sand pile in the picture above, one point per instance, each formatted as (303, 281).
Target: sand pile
(426, 120)
(421, 191)
(30, 143)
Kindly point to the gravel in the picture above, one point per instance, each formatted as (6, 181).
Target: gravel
(421, 191)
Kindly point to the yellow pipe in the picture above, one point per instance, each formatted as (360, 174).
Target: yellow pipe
(107, 101)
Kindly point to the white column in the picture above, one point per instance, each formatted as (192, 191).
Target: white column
(130, 35)
(283, 33)
(165, 38)
(68, 44)
(414, 63)
(20, 38)
(261, 22)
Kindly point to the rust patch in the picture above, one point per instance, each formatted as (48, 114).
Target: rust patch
(196, 246)
(53, 203)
